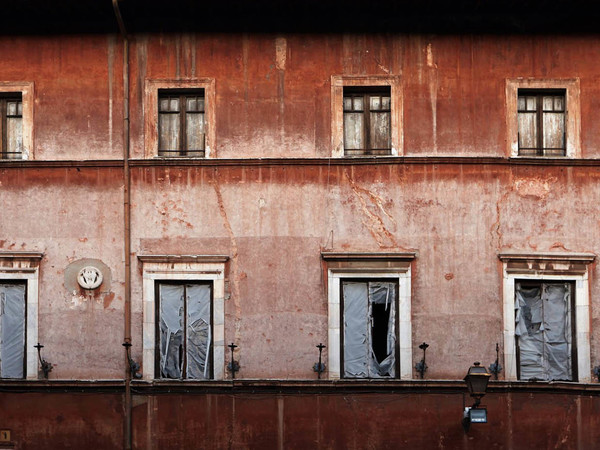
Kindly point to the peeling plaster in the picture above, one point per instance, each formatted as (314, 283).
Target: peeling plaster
(372, 221)
(236, 276)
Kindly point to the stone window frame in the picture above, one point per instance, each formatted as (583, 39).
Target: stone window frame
(150, 112)
(26, 90)
(573, 267)
(571, 86)
(25, 266)
(380, 266)
(338, 82)
(156, 268)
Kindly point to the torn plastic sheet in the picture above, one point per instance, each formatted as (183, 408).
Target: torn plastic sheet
(171, 330)
(359, 356)
(12, 330)
(543, 327)
(198, 331)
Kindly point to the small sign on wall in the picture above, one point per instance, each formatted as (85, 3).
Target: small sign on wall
(4, 435)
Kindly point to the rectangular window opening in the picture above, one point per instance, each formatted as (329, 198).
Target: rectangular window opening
(11, 125)
(182, 124)
(367, 120)
(184, 330)
(13, 342)
(545, 331)
(542, 122)
(370, 324)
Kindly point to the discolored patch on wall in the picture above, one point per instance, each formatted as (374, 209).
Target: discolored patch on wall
(78, 295)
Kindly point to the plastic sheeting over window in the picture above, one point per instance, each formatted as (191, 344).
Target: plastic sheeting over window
(544, 331)
(12, 330)
(369, 317)
(185, 331)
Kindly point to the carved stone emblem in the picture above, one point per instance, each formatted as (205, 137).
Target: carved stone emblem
(89, 277)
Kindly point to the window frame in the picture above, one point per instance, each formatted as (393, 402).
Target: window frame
(182, 95)
(185, 269)
(24, 267)
(369, 266)
(338, 83)
(210, 358)
(22, 283)
(366, 93)
(574, 368)
(151, 114)
(548, 267)
(539, 94)
(25, 90)
(359, 279)
(571, 88)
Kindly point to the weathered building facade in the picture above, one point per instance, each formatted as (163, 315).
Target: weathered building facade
(183, 191)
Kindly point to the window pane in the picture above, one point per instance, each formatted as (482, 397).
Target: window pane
(164, 104)
(559, 103)
(531, 103)
(171, 331)
(195, 129)
(527, 130)
(356, 330)
(521, 103)
(548, 102)
(14, 137)
(375, 103)
(385, 103)
(380, 131)
(20, 109)
(169, 133)
(353, 131)
(359, 104)
(11, 108)
(12, 330)
(191, 104)
(554, 130)
(199, 338)
(347, 103)
(174, 104)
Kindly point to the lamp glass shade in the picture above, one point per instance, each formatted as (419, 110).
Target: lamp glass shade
(477, 380)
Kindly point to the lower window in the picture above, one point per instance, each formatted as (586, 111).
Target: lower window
(544, 330)
(370, 324)
(12, 330)
(184, 330)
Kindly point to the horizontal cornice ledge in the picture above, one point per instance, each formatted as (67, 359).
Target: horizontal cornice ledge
(361, 256)
(586, 258)
(183, 258)
(314, 161)
(21, 255)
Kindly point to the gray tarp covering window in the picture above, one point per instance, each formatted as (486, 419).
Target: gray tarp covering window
(360, 360)
(185, 307)
(12, 330)
(543, 328)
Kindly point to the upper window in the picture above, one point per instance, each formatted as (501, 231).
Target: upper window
(367, 121)
(179, 119)
(543, 117)
(544, 331)
(12, 329)
(11, 125)
(366, 115)
(369, 320)
(184, 331)
(181, 123)
(542, 122)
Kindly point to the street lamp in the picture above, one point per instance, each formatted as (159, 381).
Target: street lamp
(477, 380)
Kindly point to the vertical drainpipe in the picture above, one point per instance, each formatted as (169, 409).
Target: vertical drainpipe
(127, 438)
